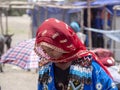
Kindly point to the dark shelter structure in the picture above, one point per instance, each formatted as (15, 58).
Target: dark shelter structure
(77, 11)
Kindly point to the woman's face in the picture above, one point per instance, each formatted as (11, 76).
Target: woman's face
(51, 52)
(55, 54)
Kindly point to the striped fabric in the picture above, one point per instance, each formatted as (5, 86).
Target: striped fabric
(22, 55)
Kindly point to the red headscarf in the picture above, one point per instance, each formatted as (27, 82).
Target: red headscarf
(60, 36)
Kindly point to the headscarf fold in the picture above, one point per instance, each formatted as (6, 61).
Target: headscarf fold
(58, 35)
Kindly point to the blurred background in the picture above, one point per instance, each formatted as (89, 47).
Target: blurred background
(19, 20)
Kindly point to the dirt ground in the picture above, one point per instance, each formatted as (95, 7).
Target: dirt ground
(13, 77)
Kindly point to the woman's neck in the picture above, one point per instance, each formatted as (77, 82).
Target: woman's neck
(63, 66)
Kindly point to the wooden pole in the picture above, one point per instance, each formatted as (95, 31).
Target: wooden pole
(82, 19)
(114, 27)
(7, 21)
(1, 24)
(89, 23)
(46, 13)
(105, 27)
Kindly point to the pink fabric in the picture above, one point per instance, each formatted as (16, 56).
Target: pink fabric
(105, 56)
(108, 61)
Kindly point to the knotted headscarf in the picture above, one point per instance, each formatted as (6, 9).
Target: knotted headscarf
(59, 36)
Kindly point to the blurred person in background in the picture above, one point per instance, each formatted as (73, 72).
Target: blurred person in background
(77, 29)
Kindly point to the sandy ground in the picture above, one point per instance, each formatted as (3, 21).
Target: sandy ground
(15, 78)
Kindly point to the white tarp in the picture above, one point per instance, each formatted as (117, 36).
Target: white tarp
(113, 34)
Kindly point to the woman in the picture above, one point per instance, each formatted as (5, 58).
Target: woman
(69, 65)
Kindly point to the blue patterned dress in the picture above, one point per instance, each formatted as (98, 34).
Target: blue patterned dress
(82, 78)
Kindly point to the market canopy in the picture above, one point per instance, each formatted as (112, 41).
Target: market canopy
(105, 2)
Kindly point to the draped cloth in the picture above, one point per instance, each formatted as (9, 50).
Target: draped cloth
(59, 36)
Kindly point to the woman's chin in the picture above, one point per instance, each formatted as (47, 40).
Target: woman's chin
(62, 62)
